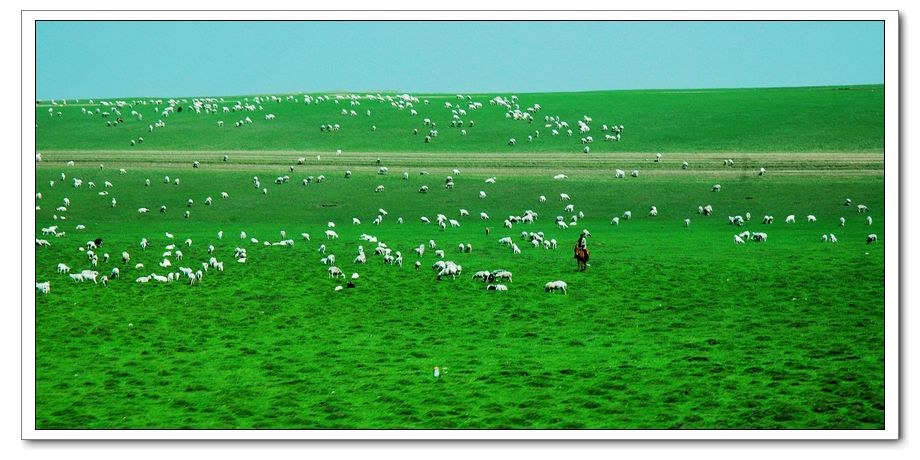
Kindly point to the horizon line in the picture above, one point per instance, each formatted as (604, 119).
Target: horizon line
(453, 93)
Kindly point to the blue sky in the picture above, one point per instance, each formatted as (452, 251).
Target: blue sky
(125, 59)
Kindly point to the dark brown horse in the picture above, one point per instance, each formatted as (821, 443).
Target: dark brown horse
(582, 256)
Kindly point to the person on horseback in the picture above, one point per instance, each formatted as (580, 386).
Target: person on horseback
(581, 250)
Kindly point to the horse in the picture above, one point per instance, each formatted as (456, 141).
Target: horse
(582, 256)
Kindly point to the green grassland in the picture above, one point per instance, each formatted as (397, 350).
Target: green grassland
(670, 327)
(782, 120)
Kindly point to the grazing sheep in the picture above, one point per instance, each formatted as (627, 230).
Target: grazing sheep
(739, 240)
(833, 238)
(554, 286)
(869, 220)
(811, 218)
(331, 234)
(496, 287)
(790, 219)
(627, 215)
(89, 275)
(615, 221)
(686, 222)
(44, 288)
(717, 188)
(482, 195)
(871, 238)
(842, 221)
(861, 208)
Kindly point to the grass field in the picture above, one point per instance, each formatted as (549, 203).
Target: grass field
(670, 327)
(779, 120)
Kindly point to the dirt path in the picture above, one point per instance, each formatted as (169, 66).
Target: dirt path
(703, 164)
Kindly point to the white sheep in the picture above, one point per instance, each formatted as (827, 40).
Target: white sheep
(790, 219)
(554, 286)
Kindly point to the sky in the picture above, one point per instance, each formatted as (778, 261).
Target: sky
(86, 59)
